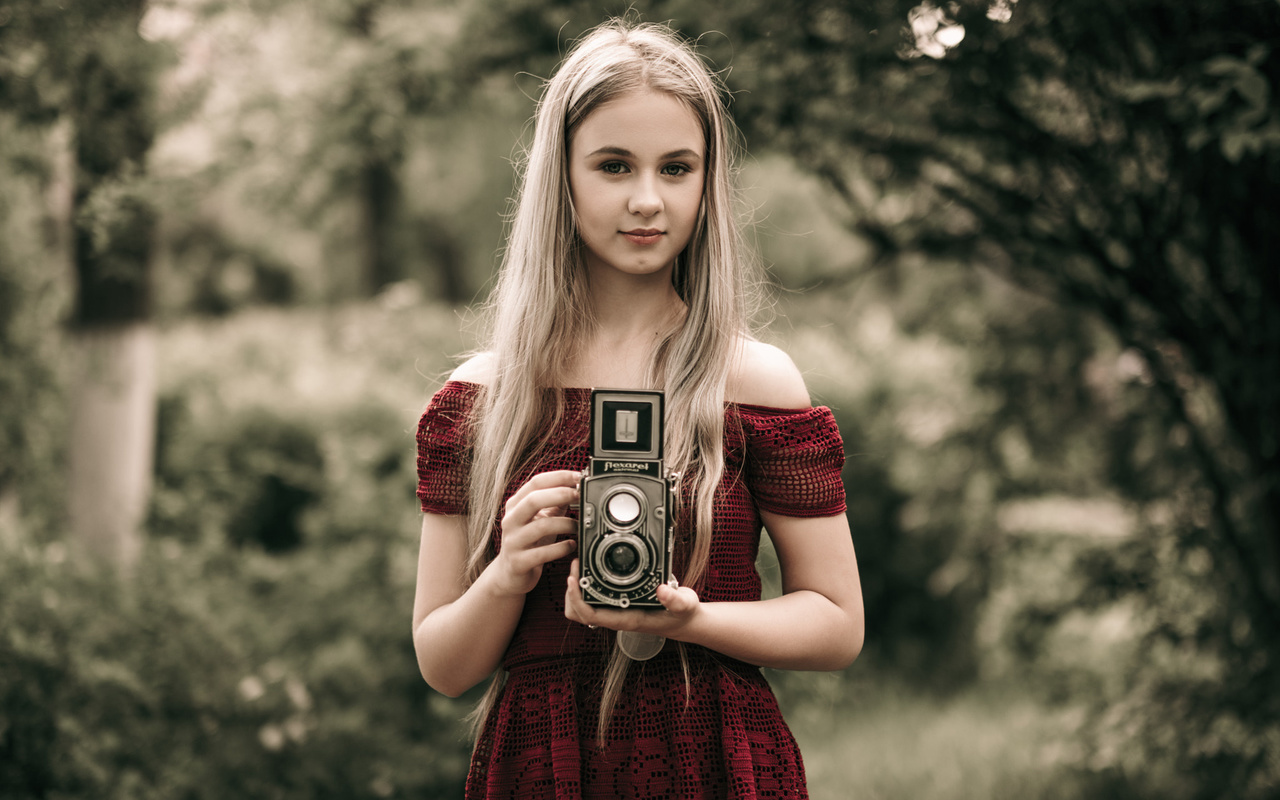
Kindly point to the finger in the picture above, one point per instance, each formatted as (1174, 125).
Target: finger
(678, 601)
(540, 555)
(554, 511)
(539, 532)
(525, 509)
(546, 480)
(578, 610)
(526, 548)
(562, 548)
(574, 606)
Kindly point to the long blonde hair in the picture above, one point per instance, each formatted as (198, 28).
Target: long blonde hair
(540, 309)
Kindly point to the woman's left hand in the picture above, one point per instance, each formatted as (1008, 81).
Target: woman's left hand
(679, 607)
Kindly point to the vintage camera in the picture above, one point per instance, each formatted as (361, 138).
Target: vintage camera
(627, 506)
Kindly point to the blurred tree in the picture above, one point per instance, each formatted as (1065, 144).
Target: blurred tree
(1124, 159)
(113, 419)
(370, 114)
(88, 67)
(380, 157)
(372, 72)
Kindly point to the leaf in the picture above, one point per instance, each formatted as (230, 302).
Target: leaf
(1144, 91)
(1254, 87)
(1198, 137)
(1208, 101)
(1223, 65)
(1233, 145)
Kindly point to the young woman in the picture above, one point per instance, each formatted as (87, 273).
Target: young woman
(623, 270)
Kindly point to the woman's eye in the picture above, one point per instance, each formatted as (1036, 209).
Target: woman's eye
(612, 168)
(674, 169)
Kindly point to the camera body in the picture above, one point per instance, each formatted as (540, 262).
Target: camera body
(626, 512)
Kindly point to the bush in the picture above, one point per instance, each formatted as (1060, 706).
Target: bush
(253, 476)
(34, 298)
(227, 666)
(215, 674)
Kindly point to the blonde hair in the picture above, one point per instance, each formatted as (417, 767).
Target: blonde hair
(540, 308)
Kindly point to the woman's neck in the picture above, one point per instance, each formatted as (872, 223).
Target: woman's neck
(631, 318)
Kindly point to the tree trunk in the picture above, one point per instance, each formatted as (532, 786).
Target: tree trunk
(380, 202)
(112, 439)
(378, 188)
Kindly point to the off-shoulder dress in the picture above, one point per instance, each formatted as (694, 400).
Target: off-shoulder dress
(721, 735)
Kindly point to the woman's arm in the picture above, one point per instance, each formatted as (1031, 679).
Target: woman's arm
(817, 623)
(460, 632)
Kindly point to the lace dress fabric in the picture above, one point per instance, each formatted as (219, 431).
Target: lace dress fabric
(721, 735)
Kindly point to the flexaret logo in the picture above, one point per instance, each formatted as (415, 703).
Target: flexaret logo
(625, 466)
(651, 468)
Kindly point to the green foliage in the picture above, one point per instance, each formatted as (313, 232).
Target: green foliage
(32, 358)
(112, 112)
(214, 674)
(1027, 511)
(254, 476)
(316, 145)
(213, 273)
(89, 67)
(218, 670)
(964, 406)
(42, 46)
(306, 444)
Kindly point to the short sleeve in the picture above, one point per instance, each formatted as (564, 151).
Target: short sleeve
(793, 460)
(444, 450)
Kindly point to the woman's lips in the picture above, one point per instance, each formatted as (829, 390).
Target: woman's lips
(643, 236)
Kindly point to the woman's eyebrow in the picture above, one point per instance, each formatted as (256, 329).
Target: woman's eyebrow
(625, 153)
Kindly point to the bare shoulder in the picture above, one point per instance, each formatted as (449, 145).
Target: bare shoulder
(763, 375)
(477, 369)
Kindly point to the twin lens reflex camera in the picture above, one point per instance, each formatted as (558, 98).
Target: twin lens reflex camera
(627, 506)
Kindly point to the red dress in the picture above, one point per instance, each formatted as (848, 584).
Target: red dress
(721, 737)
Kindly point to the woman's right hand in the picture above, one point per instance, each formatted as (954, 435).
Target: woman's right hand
(533, 523)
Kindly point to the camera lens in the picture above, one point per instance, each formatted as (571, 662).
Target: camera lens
(621, 558)
(623, 508)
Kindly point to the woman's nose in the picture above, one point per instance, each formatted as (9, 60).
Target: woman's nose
(645, 199)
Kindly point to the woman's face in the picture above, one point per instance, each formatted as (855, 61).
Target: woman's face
(636, 170)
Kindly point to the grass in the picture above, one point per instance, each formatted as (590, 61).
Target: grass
(890, 743)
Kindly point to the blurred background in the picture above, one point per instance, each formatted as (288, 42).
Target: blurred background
(1025, 250)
